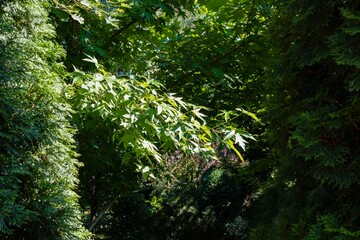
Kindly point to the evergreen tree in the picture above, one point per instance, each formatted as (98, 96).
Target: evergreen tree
(314, 123)
(38, 168)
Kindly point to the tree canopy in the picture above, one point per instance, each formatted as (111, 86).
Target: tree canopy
(181, 119)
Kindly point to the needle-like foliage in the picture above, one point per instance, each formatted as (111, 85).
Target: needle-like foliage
(38, 169)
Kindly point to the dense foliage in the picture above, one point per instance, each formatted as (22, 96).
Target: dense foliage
(315, 131)
(38, 163)
(130, 119)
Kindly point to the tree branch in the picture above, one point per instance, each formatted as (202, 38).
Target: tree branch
(120, 31)
(100, 215)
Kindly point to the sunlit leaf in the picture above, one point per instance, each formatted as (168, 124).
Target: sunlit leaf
(78, 18)
(229, 135)
(240, 140)
(92, 60)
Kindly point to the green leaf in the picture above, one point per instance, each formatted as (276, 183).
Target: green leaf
(252, 115)
(198, 114)
(229, 135)
(231, 145)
